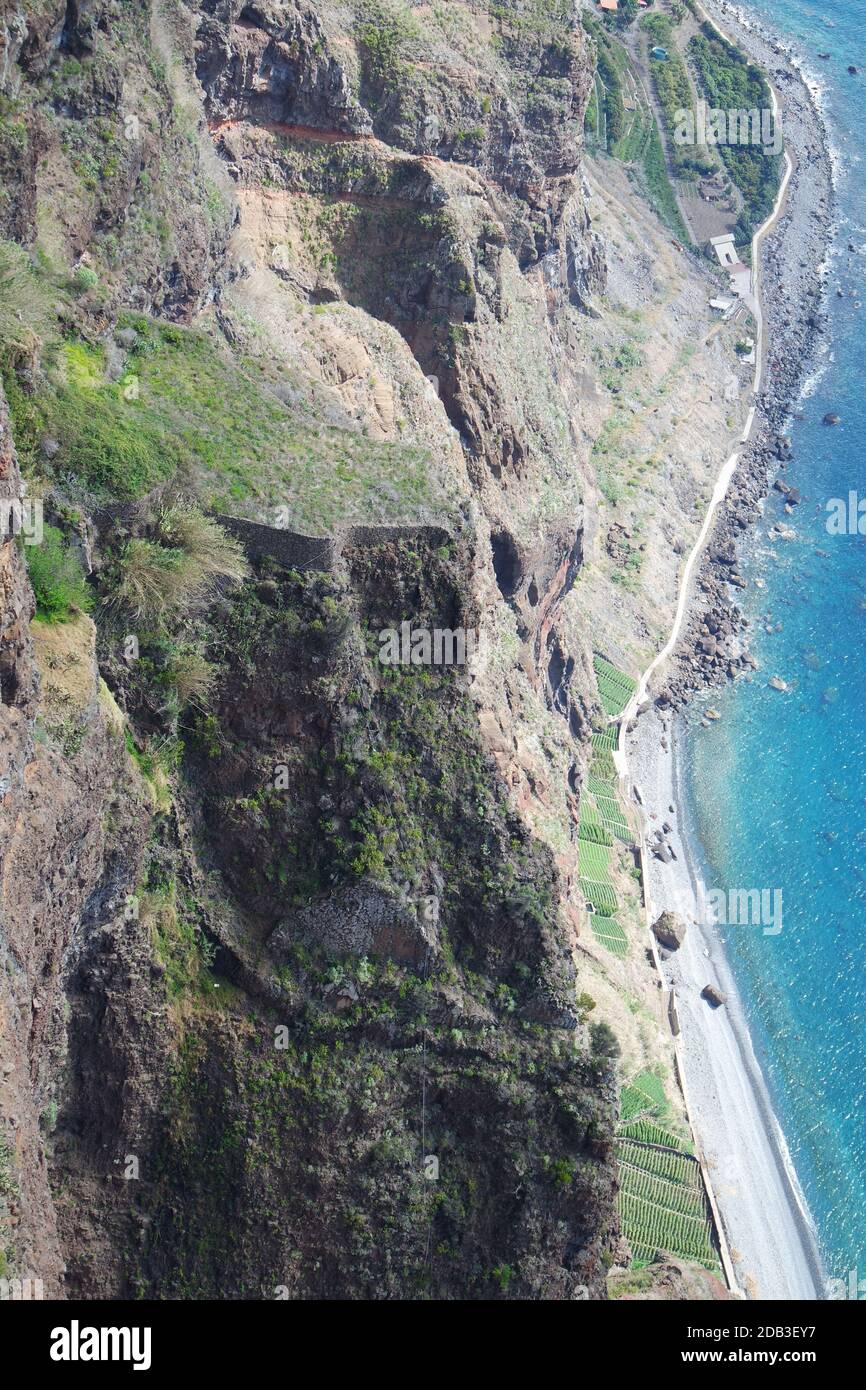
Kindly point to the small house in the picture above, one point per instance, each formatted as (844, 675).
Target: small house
(725, 250)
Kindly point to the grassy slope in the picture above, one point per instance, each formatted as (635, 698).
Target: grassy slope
(183, 405)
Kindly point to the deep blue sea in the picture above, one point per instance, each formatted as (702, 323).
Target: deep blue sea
(778, 787)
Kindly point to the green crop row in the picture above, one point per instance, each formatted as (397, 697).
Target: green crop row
(655, 1229)
(608, 933)
(600, 895)
(594, 861)
(645, 1132)
(615, 688)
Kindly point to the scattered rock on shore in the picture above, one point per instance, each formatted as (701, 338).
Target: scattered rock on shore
(714, 997)
(776, 683)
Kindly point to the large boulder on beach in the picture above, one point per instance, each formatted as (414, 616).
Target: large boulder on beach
(830, 418)
(669, 931)
(714, 997)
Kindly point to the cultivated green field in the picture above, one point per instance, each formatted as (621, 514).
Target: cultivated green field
(662, 1202)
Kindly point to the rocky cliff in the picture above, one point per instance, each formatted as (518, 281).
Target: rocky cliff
(297, 985)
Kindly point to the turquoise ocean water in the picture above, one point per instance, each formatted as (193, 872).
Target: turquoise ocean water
(778, 787)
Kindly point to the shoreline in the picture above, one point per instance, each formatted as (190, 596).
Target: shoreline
(767, 1232)
(768, 1240)
(791, 269)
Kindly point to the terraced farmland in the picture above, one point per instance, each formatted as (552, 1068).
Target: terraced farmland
(648, 1133)
(615, 688)
(644, 1096)
(608, 933)
(662, 1201)
(602, 820)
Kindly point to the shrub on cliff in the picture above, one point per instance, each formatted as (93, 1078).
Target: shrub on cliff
(161, 578)
(214, 553)
(603, 1040)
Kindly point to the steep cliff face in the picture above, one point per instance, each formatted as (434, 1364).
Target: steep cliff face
(302, 981)
(99, 156)
(311, 971)
(71, 830)
(422, 172)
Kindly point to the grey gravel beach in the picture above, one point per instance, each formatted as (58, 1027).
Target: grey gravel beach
(768, 1232)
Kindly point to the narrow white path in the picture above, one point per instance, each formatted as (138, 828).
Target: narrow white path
(720, 491)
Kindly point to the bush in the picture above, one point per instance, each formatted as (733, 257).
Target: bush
(212, 550)
(191, 676)
(161, 578)
(57, 578)
(84, 279)
(155, 581)
(603, 1040)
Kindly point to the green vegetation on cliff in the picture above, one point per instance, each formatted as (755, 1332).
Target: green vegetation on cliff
(179, 407)
(396, 1083)
(56, 576)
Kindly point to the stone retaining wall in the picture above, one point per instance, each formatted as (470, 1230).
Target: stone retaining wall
(300, 552)
(292, 548)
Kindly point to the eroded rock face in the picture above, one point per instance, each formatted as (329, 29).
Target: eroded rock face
(366, 922)
(275, 63)
(454, 212)
(64, 870)
(117, 111)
